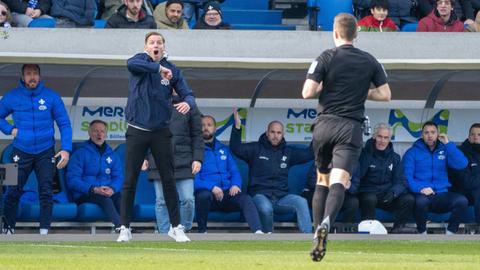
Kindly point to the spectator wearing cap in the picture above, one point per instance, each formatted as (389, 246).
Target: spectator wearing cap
(25, 11)
(441, 19)
(212, 18)
(168, 15)
(378, 21)
(132, 14)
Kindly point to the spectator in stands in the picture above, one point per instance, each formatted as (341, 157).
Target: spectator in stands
(74, 13)
(5, 15)
(426, 164)
(462, 8)
(350, 203)
(132, 14)
(475, 27)
(151, 82)
(168, 15)
(95, 173)
(441, 19)
(378, 21)
(218, 185)
(188, 148)
(467, 181)
(24, 11)
(399, 11)
(381, 182)
(212, 18)
(34, 141)
(269, 160)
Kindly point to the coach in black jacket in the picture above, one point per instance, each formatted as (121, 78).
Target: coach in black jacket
(380, 180)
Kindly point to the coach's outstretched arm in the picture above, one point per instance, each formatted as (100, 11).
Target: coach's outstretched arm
(381, 93)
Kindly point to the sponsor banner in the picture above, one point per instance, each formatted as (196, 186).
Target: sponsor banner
(406, 123)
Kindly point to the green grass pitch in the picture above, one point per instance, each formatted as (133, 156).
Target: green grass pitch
(241, 255)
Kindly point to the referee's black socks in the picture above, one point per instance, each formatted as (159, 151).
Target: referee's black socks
(318, 204)
(334, 203)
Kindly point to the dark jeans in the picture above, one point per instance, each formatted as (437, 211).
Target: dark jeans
(473, 197)
(349, 208)
(402, 206)
(44, 166)
(137, 144)
(109, 205)
(439, 203)
(205, 202)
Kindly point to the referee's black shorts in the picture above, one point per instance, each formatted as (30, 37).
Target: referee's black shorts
(337, 143)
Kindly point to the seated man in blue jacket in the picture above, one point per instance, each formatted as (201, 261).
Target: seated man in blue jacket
(95, 173)
(350, 202)
(218, 184)
(269, 160)
(381, 182)
(467, 181)
(426, 164)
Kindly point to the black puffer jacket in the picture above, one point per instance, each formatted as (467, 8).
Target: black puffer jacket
(120, 20)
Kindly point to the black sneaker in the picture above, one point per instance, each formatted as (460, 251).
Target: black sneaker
(319, 243)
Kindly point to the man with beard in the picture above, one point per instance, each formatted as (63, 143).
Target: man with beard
(218, 184)
(148, 113)
(269, 161)
(467, 181)
(132, 14)
(168, 15)
(34, 108)
(426, 164)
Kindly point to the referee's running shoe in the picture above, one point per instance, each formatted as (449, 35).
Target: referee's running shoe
(319, 243)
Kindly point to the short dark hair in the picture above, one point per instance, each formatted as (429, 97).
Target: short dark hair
(379, 3)
(25, 66)
(474, 125)
(429, 123)
(153, 33)
(452, 2)
(169, 2)
(346, 26)
(211, 117)
(97, 121)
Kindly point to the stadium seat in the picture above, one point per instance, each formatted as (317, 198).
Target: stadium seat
(100, 24)
(245, 4)
(323, 11)
(409, 27)
(42, 23)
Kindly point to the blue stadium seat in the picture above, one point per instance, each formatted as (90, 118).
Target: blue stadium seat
(263, 27)
(245, 4)
(252, 16)
(100, 24)
(409, 27)
(42, 23)
(325, 10)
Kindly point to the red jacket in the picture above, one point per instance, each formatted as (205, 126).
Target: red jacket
(433, 23)
(370, 24)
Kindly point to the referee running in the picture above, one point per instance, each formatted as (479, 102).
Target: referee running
(340, 78)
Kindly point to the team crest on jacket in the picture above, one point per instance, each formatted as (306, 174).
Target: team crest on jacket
(109, 160)
(390, 167)
(283, 165)
(108, 171)
(42, 106)
(223, 156)
(165, 82)
(441, 157)
(16, 158)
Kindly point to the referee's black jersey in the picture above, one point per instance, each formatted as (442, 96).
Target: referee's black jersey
(346, 73)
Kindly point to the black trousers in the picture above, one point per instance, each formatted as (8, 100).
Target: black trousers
(160, 143)
(402, 206)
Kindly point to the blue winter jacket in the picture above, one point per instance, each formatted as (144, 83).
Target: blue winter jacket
(268, 164)
(425, 168)
(379, 171)
(149, 103)
(218, 169)
(82, 12)
(33, 113)
(467, 179)
(87, 169)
